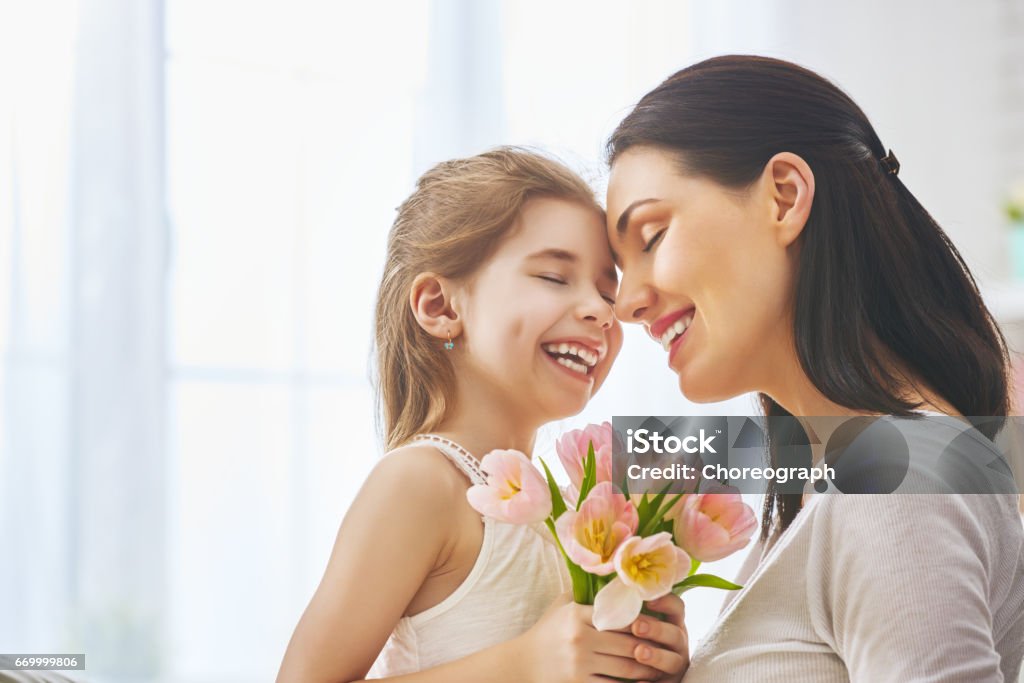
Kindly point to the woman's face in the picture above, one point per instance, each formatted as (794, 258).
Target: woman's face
(704, 271)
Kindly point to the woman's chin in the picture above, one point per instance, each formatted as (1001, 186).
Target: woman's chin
(700, 388)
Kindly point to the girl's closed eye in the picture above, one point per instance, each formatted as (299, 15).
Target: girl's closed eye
(559, 280)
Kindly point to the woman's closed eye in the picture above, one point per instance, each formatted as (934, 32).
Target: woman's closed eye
(654, 240)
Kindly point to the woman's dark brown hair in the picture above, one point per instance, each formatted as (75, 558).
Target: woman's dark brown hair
(881, 293)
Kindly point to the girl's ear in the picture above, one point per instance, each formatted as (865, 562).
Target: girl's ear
(430, 299)
(790, 184)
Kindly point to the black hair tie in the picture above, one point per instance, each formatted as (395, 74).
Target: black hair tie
(891, 163)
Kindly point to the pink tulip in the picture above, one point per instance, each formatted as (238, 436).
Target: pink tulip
(515, 491)
(572, 451)
(710, 526)
(591, 536)
(646, 569)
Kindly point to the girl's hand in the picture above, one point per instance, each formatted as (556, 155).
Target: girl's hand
(564, 647)
(668, 649)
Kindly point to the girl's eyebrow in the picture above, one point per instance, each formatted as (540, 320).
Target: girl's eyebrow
(568, 257)
(555, 253)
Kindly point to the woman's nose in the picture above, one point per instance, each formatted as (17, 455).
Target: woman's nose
(632, 302)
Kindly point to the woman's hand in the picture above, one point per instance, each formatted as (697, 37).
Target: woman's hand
(564, 647)
(668, 646)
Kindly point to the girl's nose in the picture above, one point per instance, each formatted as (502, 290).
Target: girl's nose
(600, 312)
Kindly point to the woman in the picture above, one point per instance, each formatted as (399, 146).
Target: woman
(768, 244)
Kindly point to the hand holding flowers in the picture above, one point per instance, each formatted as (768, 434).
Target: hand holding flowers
(621, 552)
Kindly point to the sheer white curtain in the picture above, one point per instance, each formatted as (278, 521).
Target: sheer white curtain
(35, 508)
(84, 237)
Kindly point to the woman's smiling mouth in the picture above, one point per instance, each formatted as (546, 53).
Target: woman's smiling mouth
(670, 330)
(676, 329)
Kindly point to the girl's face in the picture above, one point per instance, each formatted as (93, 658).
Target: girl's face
(703, 271)
(538, 323)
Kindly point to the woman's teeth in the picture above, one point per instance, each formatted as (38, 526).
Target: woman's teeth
(573, 357)
(675, 330)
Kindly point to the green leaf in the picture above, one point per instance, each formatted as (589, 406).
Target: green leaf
(557, 501)
(642, 508)
(694, 566)
(580, 584)
(668, 505)
(645, 516)
(663, 525)
(705, 581)
(658, 516)
(580, 579)
(589, 475)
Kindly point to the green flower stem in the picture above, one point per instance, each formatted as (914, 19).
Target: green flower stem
(580, 580)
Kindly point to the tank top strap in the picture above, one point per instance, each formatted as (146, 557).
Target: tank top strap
(462, 458)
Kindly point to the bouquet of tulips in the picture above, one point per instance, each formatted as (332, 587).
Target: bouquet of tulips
(621, 550)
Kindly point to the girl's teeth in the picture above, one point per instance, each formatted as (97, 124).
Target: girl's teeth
(572, 365)
(589, 358)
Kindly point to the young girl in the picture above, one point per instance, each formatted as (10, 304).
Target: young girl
(494, 317)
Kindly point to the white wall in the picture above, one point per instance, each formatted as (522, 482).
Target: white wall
(931, 76)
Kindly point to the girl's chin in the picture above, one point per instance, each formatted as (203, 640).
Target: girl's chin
(562, 407)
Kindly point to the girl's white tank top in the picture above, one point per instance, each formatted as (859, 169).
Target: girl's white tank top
(518, 573)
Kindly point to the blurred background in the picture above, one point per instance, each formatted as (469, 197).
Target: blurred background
(194, 199)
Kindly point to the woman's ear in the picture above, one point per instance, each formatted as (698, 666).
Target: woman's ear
(790, 184)
(430, 299)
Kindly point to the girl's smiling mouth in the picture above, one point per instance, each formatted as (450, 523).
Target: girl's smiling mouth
(577, 357)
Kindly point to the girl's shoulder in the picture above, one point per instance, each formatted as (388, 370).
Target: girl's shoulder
(422, 476)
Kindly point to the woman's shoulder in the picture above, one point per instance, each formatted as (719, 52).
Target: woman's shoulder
(986, 526)
(898, 510)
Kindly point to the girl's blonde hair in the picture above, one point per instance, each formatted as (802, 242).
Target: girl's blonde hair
(450, 225)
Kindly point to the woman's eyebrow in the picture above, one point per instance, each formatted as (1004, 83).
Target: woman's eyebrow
(620, 225)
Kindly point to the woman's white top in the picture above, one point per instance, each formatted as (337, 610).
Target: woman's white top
(870, 587)
(517, 575)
